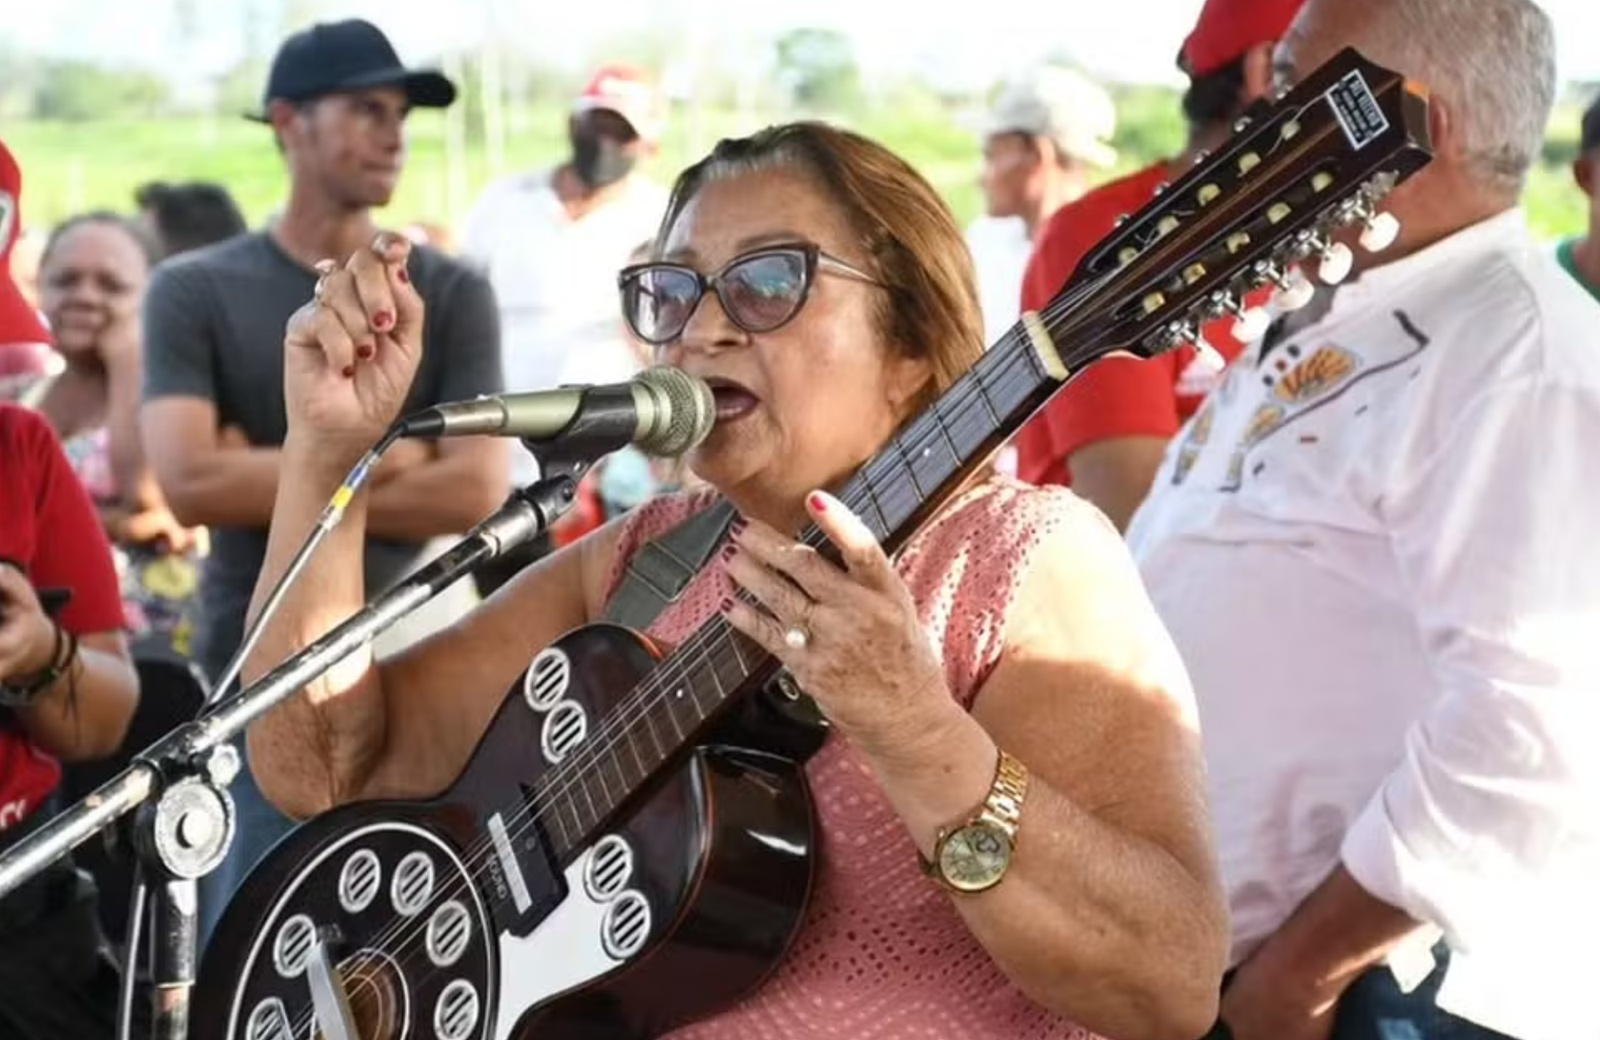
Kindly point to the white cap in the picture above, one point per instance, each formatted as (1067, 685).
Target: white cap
(1070, 109)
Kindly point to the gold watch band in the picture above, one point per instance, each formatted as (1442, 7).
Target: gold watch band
(1004, 804)
(1001, 807)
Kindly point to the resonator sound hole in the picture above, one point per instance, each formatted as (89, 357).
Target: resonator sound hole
(293, 945)
(627, 925)
(564, 729)
(360, 881)
(457, 1011)
(547, 679)
(413, 884)
(449, 931)
(609, 867)
(269, 1021)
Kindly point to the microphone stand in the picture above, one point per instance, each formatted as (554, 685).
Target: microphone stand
(184, 821)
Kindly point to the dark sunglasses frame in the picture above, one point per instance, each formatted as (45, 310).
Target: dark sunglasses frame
(813, 260)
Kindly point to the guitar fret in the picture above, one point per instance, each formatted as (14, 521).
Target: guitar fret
(581, 781)
(904, 459)
(883, 528)
(564, 802)
(632, 735)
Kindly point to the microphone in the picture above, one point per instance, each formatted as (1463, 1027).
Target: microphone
(663, 410)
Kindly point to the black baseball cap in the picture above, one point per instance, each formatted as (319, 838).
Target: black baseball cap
(335, 57)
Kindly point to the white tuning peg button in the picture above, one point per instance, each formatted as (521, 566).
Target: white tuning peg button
(1206, 356)
(1252, 325)
(1294, 292)
(1335, 264)
(1381, 231)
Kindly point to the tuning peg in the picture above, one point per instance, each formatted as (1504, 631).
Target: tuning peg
(1294, 291)
(1205, 355)
(1381, 231)
(1251, 325)
(1179, 333)
(1335, 263)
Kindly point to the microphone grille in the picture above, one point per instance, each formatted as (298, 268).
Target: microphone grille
(686, 414)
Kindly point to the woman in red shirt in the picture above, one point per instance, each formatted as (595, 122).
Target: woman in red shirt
(67, 693)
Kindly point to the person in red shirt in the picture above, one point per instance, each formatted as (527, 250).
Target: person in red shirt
(24, 343)
(1104, 434)
(68, 690)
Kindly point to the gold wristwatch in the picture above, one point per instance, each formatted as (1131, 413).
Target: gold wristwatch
(975, 855)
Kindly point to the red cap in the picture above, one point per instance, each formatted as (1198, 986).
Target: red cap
(628, 91)
(19, 321)
(1228, 28)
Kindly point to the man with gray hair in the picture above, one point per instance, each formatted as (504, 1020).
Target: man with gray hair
(1374, 546)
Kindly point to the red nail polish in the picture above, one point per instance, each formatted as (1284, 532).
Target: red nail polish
(349, 372)
(403, 275)
(817, 503)
(382, 319)
(728, 551)
(727, 605)
(365, 351)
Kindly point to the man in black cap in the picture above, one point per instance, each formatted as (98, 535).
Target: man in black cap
(1581, 255)
(213, 418)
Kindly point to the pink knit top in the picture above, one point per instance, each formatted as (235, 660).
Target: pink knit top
(883, 954)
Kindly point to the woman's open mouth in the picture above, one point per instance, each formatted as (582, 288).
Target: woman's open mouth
(734, 400)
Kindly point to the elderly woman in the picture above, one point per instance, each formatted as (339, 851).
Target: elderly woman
(92, 277)
(820, 285)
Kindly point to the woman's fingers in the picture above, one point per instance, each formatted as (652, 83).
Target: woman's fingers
(383, 284)
(340, 299)
(329, 332)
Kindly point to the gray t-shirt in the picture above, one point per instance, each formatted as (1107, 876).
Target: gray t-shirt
(214, 323)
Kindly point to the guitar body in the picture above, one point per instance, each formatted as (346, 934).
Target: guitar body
(457, 918)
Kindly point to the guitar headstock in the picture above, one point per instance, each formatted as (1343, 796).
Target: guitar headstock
(1262, 209)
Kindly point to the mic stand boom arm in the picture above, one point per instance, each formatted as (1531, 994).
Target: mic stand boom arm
(185, 820)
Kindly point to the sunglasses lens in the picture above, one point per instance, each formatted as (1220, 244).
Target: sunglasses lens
(764, 291)
(658, 301)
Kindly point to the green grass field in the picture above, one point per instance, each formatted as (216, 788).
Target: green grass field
(69, 167)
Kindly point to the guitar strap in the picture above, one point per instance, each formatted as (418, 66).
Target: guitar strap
(791, 725)
(662, 567)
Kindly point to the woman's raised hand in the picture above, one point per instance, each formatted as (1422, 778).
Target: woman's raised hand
(352, 350)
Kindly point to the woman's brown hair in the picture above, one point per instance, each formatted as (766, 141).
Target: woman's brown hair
(905, 229)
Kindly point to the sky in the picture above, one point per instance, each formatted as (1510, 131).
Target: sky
(1124, 39)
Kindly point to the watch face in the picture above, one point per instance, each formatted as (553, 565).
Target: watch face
(975, 857)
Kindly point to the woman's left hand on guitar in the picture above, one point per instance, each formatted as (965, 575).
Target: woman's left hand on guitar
(849, 635)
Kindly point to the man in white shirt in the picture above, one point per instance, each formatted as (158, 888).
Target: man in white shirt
(1375, 547)
(1045, 137)
(552, 242)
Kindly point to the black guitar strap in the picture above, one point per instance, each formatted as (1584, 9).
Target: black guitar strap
(791, 724)
(662, 567)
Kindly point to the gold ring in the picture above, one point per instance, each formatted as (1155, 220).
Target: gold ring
(795, 637)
